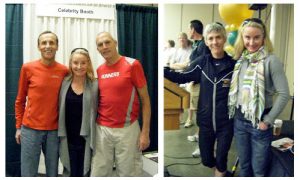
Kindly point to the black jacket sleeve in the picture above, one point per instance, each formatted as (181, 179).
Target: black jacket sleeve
(191, 73)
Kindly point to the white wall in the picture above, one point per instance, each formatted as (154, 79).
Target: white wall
(178, 16)
(173, 20)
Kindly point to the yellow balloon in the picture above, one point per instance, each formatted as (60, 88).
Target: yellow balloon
(235, 13)
(233, 27)
(229, 49)
(227, 28)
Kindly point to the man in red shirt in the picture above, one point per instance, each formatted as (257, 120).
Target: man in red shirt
(36, 108)
(118, 137)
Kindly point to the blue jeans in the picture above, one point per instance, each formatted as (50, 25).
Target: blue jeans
(253, 148)
(32, 142)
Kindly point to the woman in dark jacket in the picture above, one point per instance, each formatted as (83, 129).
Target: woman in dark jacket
(213, 72)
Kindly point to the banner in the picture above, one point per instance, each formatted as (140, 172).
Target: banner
(76, 11)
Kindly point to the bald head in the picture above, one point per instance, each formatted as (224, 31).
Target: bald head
(105, 34)
(107, 46)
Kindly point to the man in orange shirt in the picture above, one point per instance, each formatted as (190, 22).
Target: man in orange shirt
(36, 108)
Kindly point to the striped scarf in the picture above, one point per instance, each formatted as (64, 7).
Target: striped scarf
(253, 88)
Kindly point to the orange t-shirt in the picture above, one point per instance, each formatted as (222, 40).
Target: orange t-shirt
(36, 104)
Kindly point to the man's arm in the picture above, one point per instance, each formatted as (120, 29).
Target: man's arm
(144, 141)
(21, 102)
(191, 73)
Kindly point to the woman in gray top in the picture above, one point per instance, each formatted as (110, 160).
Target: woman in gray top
(77, 114)
(258, 74)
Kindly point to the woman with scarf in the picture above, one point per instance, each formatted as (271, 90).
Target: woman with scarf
(258, 74)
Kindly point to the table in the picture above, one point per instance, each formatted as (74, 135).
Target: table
(282, 163)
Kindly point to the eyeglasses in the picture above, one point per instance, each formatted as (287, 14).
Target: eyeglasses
(79, 49)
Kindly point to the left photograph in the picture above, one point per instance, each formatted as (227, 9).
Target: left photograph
(81, 90)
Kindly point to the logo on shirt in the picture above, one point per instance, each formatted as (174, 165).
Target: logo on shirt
(110, 75)
(55, 76)
(226, 82)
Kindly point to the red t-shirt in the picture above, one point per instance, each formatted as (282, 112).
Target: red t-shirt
(37, 100)
(118, 99)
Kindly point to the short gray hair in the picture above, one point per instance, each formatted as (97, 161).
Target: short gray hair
(214, 27)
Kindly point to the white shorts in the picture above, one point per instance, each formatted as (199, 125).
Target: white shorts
(119, 146)
(193, 89)
(194, 102)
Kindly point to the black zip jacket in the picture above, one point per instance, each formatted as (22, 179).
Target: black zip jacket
(214, 77)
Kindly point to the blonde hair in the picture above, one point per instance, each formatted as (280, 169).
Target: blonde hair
(90, 69)
(239, 44)
(182, 35)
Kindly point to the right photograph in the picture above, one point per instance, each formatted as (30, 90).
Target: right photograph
(228, 90)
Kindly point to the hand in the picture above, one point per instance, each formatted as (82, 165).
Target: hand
(18, 136)
(144, 141)
(263, 126)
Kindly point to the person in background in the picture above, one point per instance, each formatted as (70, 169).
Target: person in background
(169, 51)
(36, 108)
(213, 71)
(199, 49)
(180, 58)
(119, 139)
(78, 103)
(179, 62)
(196, 34)
(258, 74)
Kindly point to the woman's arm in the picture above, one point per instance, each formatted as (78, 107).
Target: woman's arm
(280, 83)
